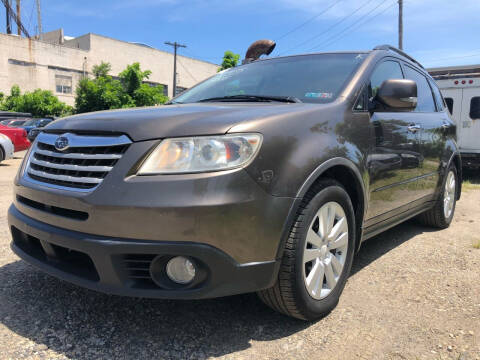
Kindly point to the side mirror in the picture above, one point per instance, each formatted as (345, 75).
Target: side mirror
(398, 94)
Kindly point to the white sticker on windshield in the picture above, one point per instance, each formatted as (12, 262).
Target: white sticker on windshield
(319, 95)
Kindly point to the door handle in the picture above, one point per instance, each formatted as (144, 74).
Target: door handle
(414, 128)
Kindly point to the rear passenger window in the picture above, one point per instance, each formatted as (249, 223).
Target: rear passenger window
(424, 92)
(449, 102)
(437, 95)
(475, 108)
(386, 70)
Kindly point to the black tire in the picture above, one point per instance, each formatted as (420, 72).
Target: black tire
(289, 294)
(2, 154)
(435, 217)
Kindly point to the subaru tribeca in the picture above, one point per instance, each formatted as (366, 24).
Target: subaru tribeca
(264, 178)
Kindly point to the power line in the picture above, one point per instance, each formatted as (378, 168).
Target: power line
(328, 29)
(308, 21)
(187, 71)
(353, 26)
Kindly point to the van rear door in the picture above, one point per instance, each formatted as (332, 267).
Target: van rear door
(469, 127)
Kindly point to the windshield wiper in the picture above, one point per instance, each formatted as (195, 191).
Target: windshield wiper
(286, 99)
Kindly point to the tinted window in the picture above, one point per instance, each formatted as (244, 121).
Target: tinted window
(311, 78)
(475, 108)
(384, 71)
(424, 92)
(437, 95)
(449, 102)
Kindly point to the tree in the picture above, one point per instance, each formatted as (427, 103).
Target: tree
(101, 70)
(104, 92)
(39, 103)
(132, 78)
(229, 60)
(147, 95)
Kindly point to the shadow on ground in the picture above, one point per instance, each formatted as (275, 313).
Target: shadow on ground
(84, 324)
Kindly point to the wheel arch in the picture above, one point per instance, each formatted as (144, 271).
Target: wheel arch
(343, 171)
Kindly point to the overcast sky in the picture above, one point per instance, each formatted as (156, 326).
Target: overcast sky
(437, 32)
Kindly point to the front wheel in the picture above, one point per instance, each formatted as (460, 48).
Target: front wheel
(441, 215)
(318, 255)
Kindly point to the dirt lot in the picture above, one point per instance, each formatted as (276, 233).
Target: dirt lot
(414, 294)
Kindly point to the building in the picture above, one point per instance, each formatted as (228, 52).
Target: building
(58, 63)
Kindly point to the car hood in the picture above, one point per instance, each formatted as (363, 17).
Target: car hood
(174, 120)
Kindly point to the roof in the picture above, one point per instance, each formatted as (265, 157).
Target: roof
(450, 71)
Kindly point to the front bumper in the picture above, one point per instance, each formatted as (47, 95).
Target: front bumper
(124, 266)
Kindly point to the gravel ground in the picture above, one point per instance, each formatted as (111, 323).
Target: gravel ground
(414, 293)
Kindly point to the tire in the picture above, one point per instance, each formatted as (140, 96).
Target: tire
(2, 154)
(290, 294)
(437, 216)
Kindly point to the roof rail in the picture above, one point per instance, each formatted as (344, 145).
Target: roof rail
(393, 48)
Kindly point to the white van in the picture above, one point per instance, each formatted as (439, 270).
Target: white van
(460, 86)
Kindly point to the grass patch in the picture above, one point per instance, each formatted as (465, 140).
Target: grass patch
(476, 244)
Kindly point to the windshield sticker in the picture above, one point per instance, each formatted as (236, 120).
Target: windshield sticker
(319, 95)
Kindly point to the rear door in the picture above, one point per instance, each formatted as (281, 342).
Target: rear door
(469, 137)
(432, 138)
(394, 159)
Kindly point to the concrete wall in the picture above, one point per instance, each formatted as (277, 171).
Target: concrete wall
(33, 64)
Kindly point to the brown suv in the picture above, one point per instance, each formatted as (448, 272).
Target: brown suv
(266, 177)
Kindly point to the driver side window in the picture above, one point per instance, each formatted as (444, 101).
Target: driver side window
(384, 71)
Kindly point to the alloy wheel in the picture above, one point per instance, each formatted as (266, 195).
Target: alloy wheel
(325, 250)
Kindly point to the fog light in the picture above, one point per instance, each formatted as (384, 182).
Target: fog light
(180, 270)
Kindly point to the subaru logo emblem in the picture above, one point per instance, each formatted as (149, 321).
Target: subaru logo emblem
(61, 143)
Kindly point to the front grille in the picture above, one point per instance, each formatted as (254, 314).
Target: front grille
(69, 213)
(82, 165)
(138, 270)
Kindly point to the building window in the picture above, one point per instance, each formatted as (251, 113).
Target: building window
(20, 62)
(179, 90)
(63, 84)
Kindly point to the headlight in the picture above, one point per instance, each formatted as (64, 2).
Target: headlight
(201, 154)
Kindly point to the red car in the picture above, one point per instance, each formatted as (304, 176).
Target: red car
(18, 137)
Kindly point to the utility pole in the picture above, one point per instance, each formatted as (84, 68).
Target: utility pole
(400, 24)
(39, 20)
(9, 26)
(175, 46)
(7, 5)
(19, 19)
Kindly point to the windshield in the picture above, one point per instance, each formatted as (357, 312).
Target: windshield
(30, 122)
(310, 78)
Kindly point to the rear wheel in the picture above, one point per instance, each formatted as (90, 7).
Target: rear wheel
(441, 215)
(2, 154)
(318, 255)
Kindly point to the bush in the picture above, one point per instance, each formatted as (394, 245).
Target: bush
(39, 103)
(104, 92)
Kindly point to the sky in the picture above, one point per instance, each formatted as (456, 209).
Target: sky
(436, 32)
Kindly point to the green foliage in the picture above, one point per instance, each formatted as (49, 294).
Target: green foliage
(39, 103)
(229, 60)
(147, 95)
(132, 78)
(101, 70)
(104, 92)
